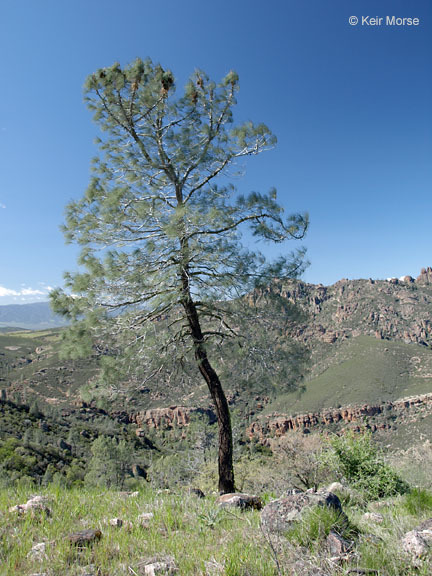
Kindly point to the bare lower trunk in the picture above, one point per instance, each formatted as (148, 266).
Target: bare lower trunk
(225, 458)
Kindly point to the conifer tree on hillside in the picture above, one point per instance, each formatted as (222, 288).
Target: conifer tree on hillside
(160, 226)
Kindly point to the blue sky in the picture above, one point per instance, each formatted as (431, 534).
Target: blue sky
(350, 106)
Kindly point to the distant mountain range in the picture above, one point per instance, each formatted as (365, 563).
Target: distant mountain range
(36, 316)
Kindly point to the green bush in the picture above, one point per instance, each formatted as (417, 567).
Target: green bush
(360, 462)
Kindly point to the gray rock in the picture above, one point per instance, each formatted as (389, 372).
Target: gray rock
(279, 515)
(417, 543)
(163, 566)
(35, 504)
(145, 518)
(373, 517)
(240, 500)
(336, 545)
(116, 522)
(38, 552)
(336, 488)
(213, 568)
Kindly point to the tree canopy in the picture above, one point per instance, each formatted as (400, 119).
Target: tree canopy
(160, 226)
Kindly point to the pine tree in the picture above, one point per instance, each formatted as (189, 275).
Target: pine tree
(160, 227)
(110, 462)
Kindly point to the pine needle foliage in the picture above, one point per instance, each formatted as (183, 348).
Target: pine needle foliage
(160, 226)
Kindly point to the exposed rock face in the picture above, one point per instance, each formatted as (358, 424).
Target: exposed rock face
(172, 417)
(397, 309)
(425, 276)
(278, 425)
(280, 515)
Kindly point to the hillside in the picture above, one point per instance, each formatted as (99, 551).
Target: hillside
(368, 341)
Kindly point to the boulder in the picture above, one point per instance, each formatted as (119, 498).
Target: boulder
(240, 500)
(279, 515)
(336, 545)
(425, 276)
(336, 488)
(213, 568)
(35, 504)
(145, 519)
(84, 537)
(116, 522)
(160, 566)
(373, 517)
(417, 543)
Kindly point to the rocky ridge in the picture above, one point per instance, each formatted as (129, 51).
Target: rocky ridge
(274, 425)
(394, 309)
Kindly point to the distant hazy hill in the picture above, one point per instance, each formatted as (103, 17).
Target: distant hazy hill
(37, 316)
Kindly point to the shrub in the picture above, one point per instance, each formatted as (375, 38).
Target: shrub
(360, 462)
(301, 458)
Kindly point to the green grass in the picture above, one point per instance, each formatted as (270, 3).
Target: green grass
(177, 530)
(418, 501)
(317, 523)
(197, 534)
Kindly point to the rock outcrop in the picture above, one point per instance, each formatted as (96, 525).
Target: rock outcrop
(396, 309)
(172, 417)
(279, 424)
(425, 276)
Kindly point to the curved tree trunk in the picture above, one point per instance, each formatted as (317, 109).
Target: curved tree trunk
(225, 458)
